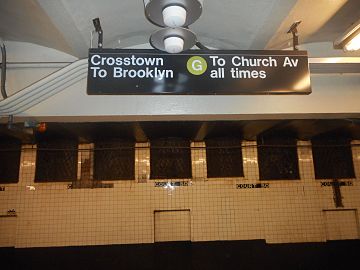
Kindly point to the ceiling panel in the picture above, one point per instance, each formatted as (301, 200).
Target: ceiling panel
(26, 21)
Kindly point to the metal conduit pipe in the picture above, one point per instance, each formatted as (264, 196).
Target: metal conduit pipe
(44, 88)
(19, 107)
(40, 98)
(18, 65)
(32, 91)
(201, 46)
(3, 69)
(43, 95)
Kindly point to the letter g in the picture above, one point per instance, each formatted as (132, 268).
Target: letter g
(196, 65)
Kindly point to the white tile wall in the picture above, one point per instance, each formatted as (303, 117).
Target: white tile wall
(50, 214)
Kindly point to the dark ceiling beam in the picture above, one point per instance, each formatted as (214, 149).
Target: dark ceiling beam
(307, 129)
(278, 128)
(252, 129)
(17, 131)
(165, 129)
(324, 127)
(139, 134)
(204, 129)
(354, 128)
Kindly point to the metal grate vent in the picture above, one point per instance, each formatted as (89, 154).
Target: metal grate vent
(10, 152)
(114, 160)
(224, 158)
(332, 158)
(170, 158)
(56, 161)
(277, 157)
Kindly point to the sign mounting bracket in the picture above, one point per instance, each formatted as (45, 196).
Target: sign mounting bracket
(293, 30)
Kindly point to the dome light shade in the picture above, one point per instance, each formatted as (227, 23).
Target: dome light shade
(174, 44)
(174, 16)
(173, 13)
(173, 40)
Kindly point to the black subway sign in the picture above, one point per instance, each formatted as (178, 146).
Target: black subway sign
(144, 72)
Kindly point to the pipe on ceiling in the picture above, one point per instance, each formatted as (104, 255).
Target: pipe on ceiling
(45, 88)
(3, 69)
(201, 46)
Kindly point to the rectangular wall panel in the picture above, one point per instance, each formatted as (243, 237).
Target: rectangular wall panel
(341, 225)
(7, 231)
(172, 226)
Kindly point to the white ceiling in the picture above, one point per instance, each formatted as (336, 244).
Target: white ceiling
(65, 25)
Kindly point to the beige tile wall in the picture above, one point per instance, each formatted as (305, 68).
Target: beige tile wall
(50, 214)
(8, 231)
(172, 226)
(341, 224)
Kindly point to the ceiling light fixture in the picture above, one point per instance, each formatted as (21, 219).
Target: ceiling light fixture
(174, 16)
(350, 41)
(173, 13)
(174, 44)
(173, 40)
